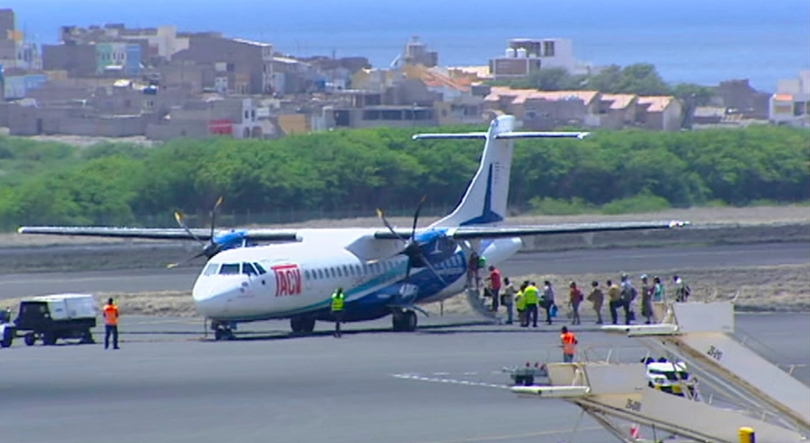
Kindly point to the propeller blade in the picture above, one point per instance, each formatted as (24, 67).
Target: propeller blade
(214, 216)
(186, 261)
(181, 221)
(432, 269)
(416, 217)
(381, 215)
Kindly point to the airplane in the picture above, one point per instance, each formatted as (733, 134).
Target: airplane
(383, 272)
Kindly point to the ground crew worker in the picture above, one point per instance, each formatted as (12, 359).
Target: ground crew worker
(494, 280)
(575, 297)
(614, 300)
(597, 298)
(569, 343)
(472, 270)
(520, 305)
(110, 324)
(531, 299)
(338, 298)
(508, 299)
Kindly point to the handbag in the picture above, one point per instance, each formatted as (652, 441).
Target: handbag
(553, 311)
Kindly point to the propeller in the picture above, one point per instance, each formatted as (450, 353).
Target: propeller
(210, 248)
(412, 248)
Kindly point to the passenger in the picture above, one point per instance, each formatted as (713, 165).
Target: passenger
(338, 299)
(494, 282)
(508, 299)
(110, 324)
(658, 290)
(629, 294)
(682, 290)
(614, 300)
(597, 298)
(569, 343)
(520, 305)
(646, 299)
(531, 300)
(575, 297)
(548, 300)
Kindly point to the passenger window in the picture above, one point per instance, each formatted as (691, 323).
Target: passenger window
(248, 269)
(340, 274)
(260, 269)
(229, 269)
(345, 270)
(320, 273)
(306, 274)
(211, 269)
(332, 272)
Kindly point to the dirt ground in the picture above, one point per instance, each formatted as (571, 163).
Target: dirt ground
(774, 289)
(762, 215)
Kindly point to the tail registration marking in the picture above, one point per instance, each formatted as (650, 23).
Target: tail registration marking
(288, 280)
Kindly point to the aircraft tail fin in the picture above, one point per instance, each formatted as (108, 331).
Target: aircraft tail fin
(484, 202)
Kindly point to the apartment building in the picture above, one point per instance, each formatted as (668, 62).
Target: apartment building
(523, 57)
(790, 105)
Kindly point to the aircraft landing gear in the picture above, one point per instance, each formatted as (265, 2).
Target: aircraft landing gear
(222, 331)
(404, 320)
(302, 325)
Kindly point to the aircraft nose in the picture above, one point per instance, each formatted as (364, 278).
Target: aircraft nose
(211, 298)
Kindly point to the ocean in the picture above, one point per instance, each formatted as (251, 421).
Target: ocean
(695, 41)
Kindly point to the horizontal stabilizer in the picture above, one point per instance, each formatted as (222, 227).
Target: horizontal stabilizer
(467, 135)
(503, 135)
(509, 135)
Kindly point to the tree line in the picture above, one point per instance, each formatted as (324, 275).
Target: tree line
(382, 167)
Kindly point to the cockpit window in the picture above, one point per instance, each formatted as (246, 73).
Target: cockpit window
(229, 269)
(211, 269)
(248, 269)
(259, 268)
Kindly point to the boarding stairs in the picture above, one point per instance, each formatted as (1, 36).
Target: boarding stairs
(702, 336)
(617, 395)
(480, 304)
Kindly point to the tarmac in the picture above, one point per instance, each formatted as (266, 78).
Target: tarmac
(611, 261)
(441, 384)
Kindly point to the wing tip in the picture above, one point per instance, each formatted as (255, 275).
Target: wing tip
(679, 223)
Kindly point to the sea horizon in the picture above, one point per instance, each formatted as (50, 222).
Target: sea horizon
(691, 41)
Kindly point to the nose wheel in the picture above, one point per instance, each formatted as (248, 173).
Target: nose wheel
(302, 325)
(222, 331)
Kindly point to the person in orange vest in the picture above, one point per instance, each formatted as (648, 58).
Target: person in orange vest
(110, 324)
(569, 343)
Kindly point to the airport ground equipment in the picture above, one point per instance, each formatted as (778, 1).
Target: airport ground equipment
(702, 335)
(527, 375)
(616, 395)
(59, 316)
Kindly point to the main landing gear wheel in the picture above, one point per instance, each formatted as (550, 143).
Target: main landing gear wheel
(404, 321)
(302, 325)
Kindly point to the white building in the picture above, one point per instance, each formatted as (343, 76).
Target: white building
(525, 56)
(791, 103)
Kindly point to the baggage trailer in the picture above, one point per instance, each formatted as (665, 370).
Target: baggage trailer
(525, 376)
(60, 316)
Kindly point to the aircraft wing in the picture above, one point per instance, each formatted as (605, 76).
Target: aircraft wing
(156, 234)
(472, 232)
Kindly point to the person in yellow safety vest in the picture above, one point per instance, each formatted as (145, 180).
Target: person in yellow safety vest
(338, 299)
(569, 343)
(531, 299)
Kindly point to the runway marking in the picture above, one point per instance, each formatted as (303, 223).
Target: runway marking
(515, 436)
(418, 377)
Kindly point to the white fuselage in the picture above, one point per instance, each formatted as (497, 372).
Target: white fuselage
(287, 280)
